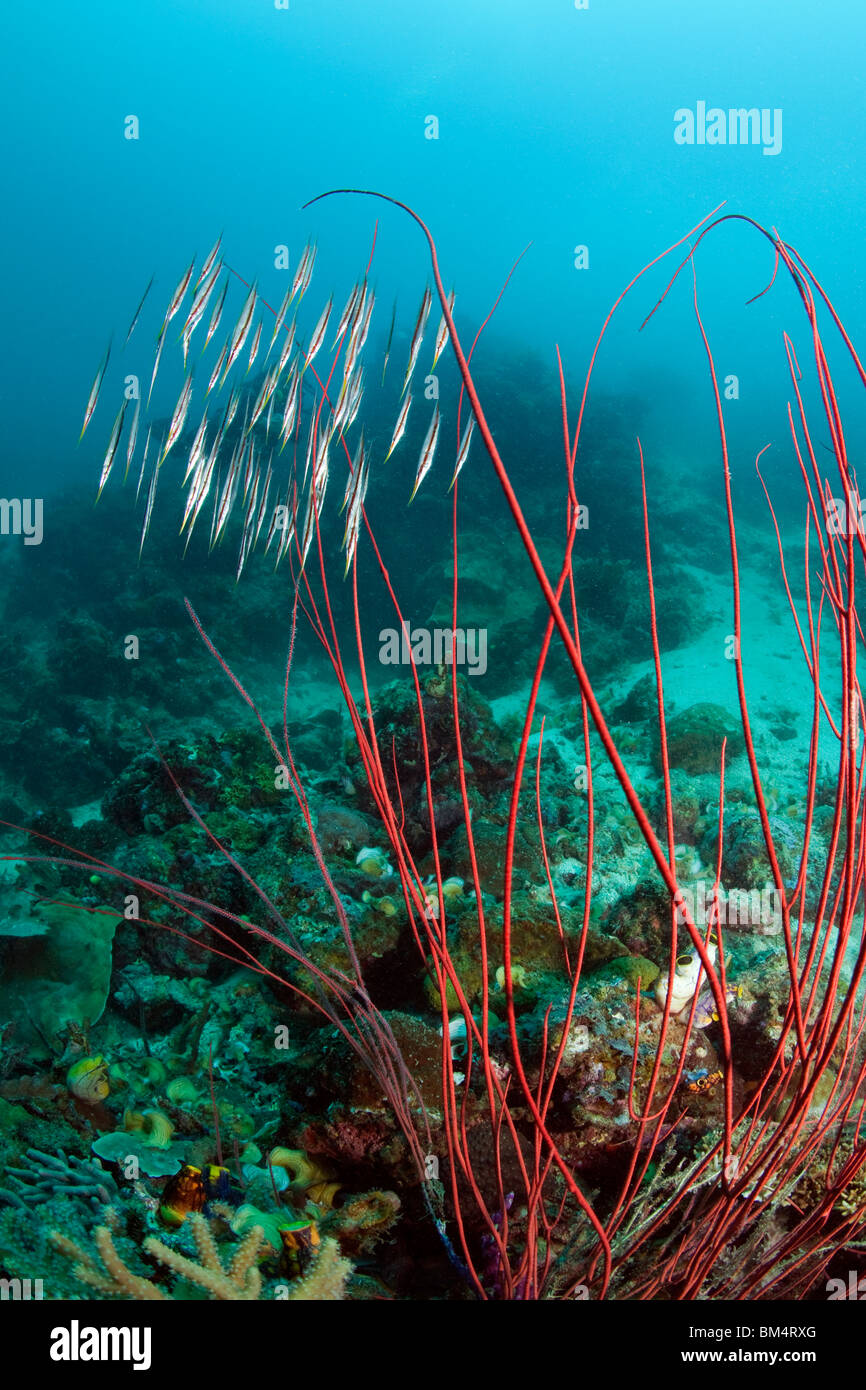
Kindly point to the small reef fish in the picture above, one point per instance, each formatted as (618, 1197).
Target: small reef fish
(355, 500)
(217, 315)
(360, 326)
(216, 371)
(354, 396)
(133, 438)
(702, 1080)
(249, 471)
(346, 315)
(231, 410)
(276, 524)
(94, 391)
(287, 346)
(390, 340)
(265, 394)
(304, 272)
(143, 463)
(263, 505)
(200, 299)
(213, 515)
(111, 452)
(293, 395)
(248, 526)
(177, 297)
(197, 449)
(135, 316)
(254, 349)
(159, 347)
(417, 336)
(241, 329)
(284, 520)
(442, 332)
(178, 419)
(463, 451)
(226, 500)
(281, 314)
(288, 535)
(148, 511)
(210, 258)
(198, 492)
(358, 336)
(352, 480)
(400, 427)
(427, 452)
(318, 334)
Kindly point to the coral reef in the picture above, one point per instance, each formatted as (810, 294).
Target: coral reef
(178, 1022)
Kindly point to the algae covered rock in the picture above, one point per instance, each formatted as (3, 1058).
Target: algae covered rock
(746, 863)
(628, 970)
(55, 968)
(695, 738)
(639, 704)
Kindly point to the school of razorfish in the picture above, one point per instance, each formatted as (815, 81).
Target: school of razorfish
(245, 480)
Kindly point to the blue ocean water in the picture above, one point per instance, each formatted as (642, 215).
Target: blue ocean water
(555, 126)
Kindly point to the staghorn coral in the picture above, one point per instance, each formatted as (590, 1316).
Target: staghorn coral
(326, 1278)
(115, 1280)
(239, 1281)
